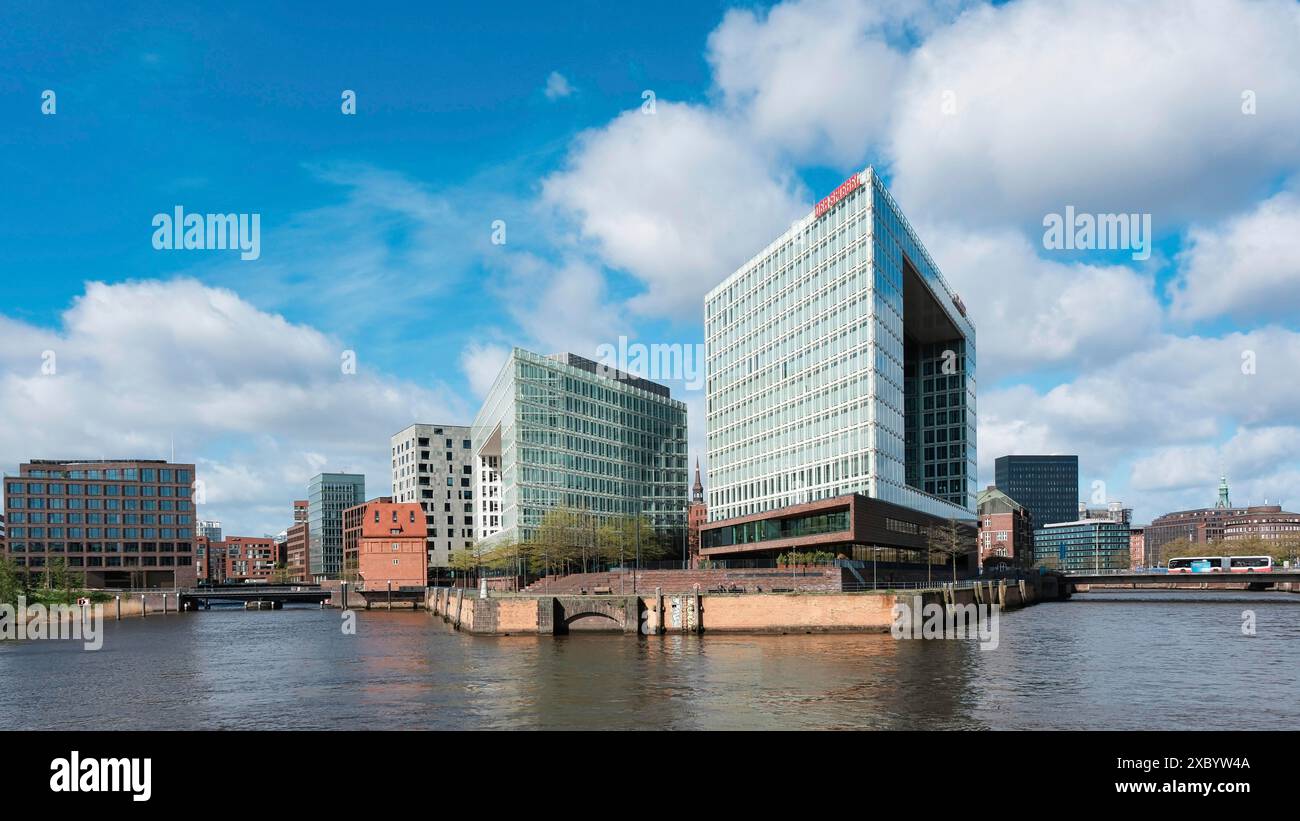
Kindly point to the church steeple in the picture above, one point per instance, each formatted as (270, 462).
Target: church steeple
(1223, 493)
(697, 490)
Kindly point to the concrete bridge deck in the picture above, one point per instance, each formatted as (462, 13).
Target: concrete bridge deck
(1258, 580)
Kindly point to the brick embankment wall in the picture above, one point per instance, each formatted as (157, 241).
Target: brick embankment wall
(721, 612)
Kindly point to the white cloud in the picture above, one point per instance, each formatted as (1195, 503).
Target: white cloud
(481, 363)
(1247, 267)
(557, 86)
(1032, 313)
(1126, 106)
(260, 404)
(676, 199)
(1163, 408)
(817, 88)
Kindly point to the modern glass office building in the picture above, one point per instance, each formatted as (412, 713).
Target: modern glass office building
(563, 432)
(1090, 545)
(1047, 485)
(328, 495)
(840, 362)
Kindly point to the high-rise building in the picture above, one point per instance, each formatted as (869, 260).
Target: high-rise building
(328, 495)
(433, 465)
(1088, 545)
(840, 364)
(117, 523)
(1047, 485)
(563, 432)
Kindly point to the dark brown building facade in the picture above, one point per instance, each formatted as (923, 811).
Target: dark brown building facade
(852, 527)
(111, 523)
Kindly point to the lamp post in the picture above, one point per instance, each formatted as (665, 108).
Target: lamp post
(640, 503)
(875, 551)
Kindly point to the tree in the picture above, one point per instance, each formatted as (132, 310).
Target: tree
(12, 584)
(946, 541)
(280, 575)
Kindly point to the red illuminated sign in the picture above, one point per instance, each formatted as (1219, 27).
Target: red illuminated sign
(847, 187)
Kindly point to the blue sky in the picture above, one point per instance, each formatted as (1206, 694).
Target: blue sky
(376, 228)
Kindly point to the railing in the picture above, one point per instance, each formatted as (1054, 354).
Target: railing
(772, 585)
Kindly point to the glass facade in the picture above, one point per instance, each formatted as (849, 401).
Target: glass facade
(1047, 485)
(1088, 546)
(554, 433)
(328, 495)
(839, 361)
(763, 530)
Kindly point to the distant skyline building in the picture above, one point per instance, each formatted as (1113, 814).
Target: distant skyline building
(1090, 545)
(563, 432)
(697, 513)
(1048, 485)
(1137, 548)
(841, 379)
(210, 529)
(1203, 525)
(111, 522)
(328, 495)
(433, 465)
(1114, 511)
(1269, 523)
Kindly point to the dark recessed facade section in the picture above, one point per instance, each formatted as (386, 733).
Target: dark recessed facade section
(852, 527)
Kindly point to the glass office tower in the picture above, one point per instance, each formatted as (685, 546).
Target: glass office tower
(328, 495)
(1047, 485)
(563, 432)
(840, 362)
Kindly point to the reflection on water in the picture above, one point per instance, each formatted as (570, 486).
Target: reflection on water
(1104, 660)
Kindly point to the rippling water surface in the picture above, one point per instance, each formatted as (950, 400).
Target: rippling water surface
(1142, 659)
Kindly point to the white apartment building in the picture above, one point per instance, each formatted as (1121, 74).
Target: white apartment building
(434, 465)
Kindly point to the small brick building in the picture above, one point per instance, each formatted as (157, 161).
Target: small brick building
(391, 545)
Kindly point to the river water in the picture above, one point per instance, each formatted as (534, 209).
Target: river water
(1140, 659)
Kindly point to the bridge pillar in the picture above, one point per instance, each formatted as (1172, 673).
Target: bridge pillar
(547, 615)
(659, 611)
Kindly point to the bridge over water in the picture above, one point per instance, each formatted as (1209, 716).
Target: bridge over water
(1256, 581)
(275, 597)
